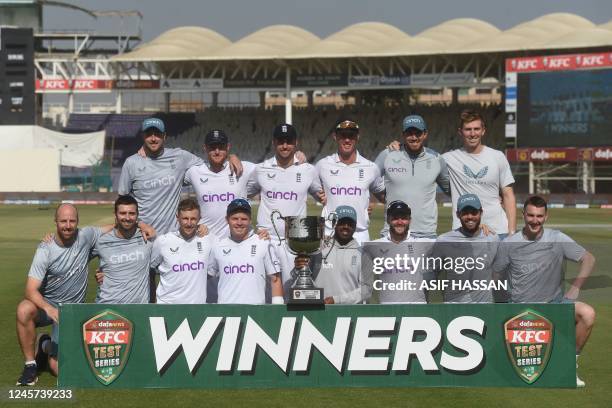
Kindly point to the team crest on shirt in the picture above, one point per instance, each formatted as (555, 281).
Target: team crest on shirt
(428, 164)
(203, 181)
(298, 177)
(253, 250)
(232, 179)
(227, 251)
(361, 174)
(172, 165)
(354, 260)
(476, 176)
(175, 250)
(270, 176)
(199, 246)
(334, 172)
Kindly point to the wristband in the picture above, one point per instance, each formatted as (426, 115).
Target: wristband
(278, 300)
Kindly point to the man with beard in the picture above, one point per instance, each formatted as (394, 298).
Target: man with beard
(400, 244)
(125, 257)
(283, 184)
(182, 258)
(58, 275)
(412, 174)
(244, 263)
(533, 260)
(467, 242)
(348, 178)
(337, 268)
(216, 184)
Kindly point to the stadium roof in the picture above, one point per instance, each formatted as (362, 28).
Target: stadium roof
(374, 39)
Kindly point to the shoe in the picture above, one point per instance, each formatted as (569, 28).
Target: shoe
(41, 357)
(29, 376)
(579, 382)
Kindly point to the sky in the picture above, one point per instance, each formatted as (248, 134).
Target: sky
(238, 18)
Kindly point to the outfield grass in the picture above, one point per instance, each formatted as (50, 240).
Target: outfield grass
(24, 225)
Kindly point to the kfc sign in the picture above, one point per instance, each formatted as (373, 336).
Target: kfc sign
(68, 84)
(559, 62)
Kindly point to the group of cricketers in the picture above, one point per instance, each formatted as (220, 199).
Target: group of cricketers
(206, 250)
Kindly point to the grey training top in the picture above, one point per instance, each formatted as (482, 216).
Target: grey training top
(156, 184)
(337, 269)
(459, 247)
(535, 268)
(413, 179)
(125, 263)
(63, 270)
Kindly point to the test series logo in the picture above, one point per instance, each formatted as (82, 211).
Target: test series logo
(107, 338)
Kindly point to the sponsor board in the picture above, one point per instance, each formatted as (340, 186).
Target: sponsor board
(270, 346)
(195, 83)
(83, 84)
(559, 62)
(559, 154)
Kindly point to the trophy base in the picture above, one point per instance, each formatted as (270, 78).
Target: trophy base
(312, 296)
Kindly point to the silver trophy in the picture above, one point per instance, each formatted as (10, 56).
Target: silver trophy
(303, 236)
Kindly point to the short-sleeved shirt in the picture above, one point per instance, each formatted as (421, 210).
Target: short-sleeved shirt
(63, 270)
(349, 184)
(535, 268)
(282, 189)
(483, 174)
(243, 268)
(183, 267)
(482, 249)
(414, 180)
(413, 248)
(215, 191)
(125, 263)
(156, 182)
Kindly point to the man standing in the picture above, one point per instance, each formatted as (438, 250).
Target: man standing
(412, 174)
(468, 242)
(337, 268)
(533, 261)
(58, 275)
(283, 184)
(182, 259)
(348, 178)
(125, 258)
(400, 242)
(243, 262)
(216, 184)
(485, 172)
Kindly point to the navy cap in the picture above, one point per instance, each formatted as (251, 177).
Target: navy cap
(398, 207)
(154, 123)
(468, 200)
(414, 121)
(284, 131)
(216, 136)
(346, 211)
(238, 205)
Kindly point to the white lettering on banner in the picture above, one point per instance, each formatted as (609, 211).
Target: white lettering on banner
(255, 336)
(335, 351)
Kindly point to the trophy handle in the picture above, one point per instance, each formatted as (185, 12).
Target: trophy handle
(333, 218)
(280, 239)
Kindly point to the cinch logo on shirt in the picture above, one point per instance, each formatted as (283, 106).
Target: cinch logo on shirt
(396, 170)
(164, 181)
(214, 198)
(350, 191)
(129, 257)
(247, 268)
(282, 195)
(193, 266)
